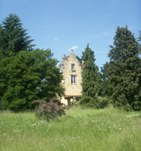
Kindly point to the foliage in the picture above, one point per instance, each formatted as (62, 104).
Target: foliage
(102, 102)
(50, 110)
(89, 77)
(13, 37)
(28, 76)
(124, 71)
(87, 101)
(139, 42)
(96, 103)
(25, 75)
(105, 87)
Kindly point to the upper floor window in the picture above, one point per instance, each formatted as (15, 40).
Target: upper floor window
(73, 67)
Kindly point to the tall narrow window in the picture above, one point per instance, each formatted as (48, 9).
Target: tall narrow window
(73, 67)
(73, 79)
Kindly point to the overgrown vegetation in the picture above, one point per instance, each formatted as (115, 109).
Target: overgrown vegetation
(80, 130)
(50, 110)
(97, 103)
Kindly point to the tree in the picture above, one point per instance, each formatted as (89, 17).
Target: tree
(28, 76)
(89, 78)
(104, 83)
(139, 42)
(25, 75)
(13, 37)
(124, 71)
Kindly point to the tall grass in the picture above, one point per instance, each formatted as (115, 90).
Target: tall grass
(80, 130)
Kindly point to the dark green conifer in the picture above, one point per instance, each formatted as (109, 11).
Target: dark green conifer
(89, 78)
(13, 37)
(125, 70)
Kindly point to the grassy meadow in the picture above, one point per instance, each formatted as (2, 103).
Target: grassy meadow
(79, 130)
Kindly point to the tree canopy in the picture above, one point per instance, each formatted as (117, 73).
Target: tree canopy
(89, 77)
(139, 42)
(13, 37)
(28, 76)
(25, 75)
(124, 71)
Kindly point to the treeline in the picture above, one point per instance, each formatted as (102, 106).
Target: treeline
(119, 79)
(28, 74)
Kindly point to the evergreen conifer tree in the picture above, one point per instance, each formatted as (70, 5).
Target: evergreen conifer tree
(124, 71)
(89, 78)
(139, 44)
(13, 37)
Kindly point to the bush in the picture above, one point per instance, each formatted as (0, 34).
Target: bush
(102, 102)
(87, 101)
(133, 106)
(50, 110)
(127, 107)
(136, 106)
(97, 103)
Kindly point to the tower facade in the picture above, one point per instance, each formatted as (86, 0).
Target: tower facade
(71, 69)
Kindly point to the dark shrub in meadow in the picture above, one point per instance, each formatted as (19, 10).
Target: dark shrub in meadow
(50, 110)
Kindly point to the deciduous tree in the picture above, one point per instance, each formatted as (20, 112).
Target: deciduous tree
(28, 76)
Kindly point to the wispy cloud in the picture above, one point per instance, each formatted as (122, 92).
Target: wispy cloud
(73, 47)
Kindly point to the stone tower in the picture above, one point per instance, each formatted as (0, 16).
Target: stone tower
(71, 69)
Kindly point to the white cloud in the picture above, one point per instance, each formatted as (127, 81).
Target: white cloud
(73, 48)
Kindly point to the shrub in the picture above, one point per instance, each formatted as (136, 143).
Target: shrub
(87, 101)
(50, 110)
(97, 103)
(102, 102)
(127, 107)
(136, 106)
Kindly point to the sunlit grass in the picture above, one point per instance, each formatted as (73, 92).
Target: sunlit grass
(79, 130)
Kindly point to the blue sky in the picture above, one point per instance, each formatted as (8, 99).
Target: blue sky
(64, 24)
